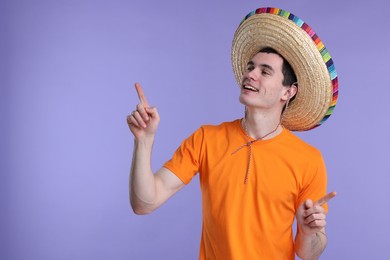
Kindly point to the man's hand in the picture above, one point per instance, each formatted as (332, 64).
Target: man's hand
(309, 243)
(143, 121)
(311, 216)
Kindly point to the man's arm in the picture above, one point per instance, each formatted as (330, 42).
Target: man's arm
(311, 240)
(147, 190)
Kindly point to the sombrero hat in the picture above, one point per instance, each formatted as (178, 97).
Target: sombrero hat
(307, 55)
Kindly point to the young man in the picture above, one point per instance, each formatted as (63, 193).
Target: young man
(255, 175)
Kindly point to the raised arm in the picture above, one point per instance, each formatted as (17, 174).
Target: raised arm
(311, 239)
(147, 190)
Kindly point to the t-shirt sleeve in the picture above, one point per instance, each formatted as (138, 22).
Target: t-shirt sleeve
(186, 160)
(314, 183)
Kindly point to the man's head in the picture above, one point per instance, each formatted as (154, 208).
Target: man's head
(268, 82)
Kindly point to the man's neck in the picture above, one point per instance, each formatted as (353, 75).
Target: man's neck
(262, 125)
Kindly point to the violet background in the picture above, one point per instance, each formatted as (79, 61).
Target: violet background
(67, 70)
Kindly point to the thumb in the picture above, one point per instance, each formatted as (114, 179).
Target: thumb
(308, 204)
(152, 111)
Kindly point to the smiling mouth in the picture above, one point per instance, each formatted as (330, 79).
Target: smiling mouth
(248, 87)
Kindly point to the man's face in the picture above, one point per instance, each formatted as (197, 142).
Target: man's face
(262, 83)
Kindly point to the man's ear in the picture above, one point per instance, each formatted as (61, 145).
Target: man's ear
(291, 91)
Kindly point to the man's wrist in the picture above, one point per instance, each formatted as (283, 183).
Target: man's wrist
(322, 236)
(146, 141)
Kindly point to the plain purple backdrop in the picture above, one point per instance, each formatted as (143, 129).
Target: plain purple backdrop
(67, 70)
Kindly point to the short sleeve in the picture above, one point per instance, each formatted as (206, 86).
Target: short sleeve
(186, 160)
(314, 183)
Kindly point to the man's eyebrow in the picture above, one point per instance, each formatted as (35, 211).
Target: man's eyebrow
(267, 67)
(264, 65)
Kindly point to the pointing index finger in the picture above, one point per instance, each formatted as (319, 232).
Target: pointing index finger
(326, 198)
(141, 95)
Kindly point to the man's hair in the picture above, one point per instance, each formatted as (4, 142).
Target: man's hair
(289, 76)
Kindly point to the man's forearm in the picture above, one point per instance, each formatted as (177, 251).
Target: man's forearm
(142, 182)
(310, 247)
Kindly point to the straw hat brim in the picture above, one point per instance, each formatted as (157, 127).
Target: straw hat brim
(301, 47)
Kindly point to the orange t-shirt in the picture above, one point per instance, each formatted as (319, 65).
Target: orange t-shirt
(252, 220)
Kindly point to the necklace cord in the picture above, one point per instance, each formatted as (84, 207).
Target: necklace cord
(249, 144)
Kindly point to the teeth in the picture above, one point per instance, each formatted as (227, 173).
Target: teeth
(250, 88)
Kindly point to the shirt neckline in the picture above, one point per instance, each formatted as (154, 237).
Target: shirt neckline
(273, 139)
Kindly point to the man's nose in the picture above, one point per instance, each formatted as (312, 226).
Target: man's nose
(253, 74)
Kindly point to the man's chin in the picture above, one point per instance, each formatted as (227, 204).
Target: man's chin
(244, 100)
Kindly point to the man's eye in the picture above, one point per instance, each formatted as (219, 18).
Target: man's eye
(249, 67)
(264, 72)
